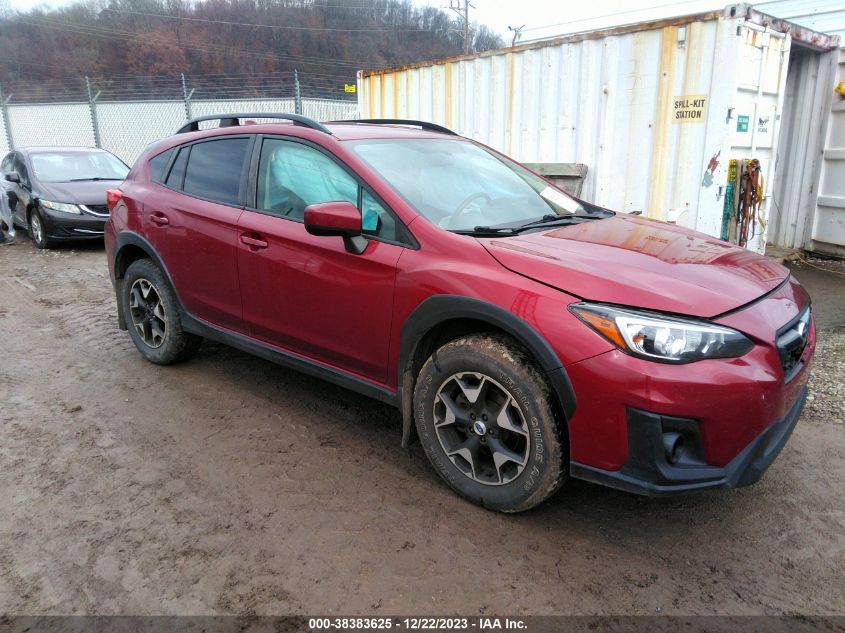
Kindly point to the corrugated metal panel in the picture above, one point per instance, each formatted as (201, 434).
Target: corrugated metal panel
(826, 16)
(828, 227)
(795, 186)
(608, 99)
(610, 102)
(603, 102)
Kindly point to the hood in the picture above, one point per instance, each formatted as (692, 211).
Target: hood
(81, 192)
(641, 263)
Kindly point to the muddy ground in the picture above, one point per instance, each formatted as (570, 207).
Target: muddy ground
(230, 485)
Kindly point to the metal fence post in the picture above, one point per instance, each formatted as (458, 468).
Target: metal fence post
(92, 105)
(187, 97)
(297, 102)
(4, 106)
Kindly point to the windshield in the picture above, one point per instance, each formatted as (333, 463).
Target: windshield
(68, 166)
(459, 185)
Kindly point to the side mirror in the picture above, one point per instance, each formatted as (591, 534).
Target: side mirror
(337, 218)
(12, 177)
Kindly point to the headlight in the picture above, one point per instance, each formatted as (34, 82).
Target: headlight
(61, 206)
(656, 337)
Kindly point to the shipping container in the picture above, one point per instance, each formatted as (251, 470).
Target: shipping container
(815, 218)
(656, 111)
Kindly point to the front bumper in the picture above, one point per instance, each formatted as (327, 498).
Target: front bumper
(648, 472)
(70, 226)
(726, 409)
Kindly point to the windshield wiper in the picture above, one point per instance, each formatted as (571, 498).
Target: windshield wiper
(94, 178)
(555, 220)
(488, 231)
(546, 220)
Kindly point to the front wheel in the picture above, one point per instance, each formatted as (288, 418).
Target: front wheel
(38, 232)
(484, 416)
(152, 315)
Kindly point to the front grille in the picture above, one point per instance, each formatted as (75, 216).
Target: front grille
(792, 339)
(96, 209)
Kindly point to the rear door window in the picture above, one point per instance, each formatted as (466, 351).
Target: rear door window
(215, 169)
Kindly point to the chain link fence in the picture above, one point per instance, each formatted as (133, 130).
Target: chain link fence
(126, 126)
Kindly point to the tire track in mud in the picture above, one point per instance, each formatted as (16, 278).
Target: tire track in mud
(79, 301)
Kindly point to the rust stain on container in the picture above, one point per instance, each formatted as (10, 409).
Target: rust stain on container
(371, 97)
(657, 184)
(510, 92)
(448, 95)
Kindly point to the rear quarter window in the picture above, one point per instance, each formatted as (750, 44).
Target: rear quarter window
(177, 173)
(158, 165)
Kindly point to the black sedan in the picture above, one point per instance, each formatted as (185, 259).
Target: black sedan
(59, 193)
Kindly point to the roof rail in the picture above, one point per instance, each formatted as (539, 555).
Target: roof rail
(425, 125)
(231, 120)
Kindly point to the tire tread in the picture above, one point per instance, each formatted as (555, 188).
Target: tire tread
(180, 345)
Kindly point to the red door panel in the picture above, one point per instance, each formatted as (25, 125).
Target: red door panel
(197, 240)
(309, 295)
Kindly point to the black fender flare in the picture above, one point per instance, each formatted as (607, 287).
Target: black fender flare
(130, 238)
(439, 309)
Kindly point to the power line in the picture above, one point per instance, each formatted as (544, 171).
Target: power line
(118, 34)
(272, 26)
(462, 7)
(610, 15)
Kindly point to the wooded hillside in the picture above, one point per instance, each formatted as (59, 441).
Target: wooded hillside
(226, 48)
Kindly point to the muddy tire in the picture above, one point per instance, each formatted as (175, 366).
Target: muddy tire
(38, 231)
(152, 315)
(484, 415)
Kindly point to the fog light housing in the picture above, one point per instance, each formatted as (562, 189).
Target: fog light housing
(673, 444)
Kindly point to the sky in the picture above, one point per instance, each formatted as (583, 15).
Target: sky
(541, 18)
(550, 17)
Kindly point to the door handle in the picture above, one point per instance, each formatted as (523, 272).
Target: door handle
(158, 218)
(254, 242)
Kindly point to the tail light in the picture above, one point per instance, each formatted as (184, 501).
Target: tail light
(113, 196)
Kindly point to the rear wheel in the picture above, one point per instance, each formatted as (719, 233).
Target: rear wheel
(37, 231)
(152, 315)
(484, 416)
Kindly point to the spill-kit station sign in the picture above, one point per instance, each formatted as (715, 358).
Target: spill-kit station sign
(689, 109)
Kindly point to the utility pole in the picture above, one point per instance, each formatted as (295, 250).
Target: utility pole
(461, 7)
(517, 33)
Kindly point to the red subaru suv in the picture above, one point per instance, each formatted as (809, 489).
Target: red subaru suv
(525, 335)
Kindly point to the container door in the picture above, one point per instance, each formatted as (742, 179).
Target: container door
(828, 226)
(805, 110)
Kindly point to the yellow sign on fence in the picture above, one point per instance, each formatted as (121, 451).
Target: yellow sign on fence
(349, 88)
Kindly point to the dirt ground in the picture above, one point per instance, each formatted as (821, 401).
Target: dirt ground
(229, 485)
